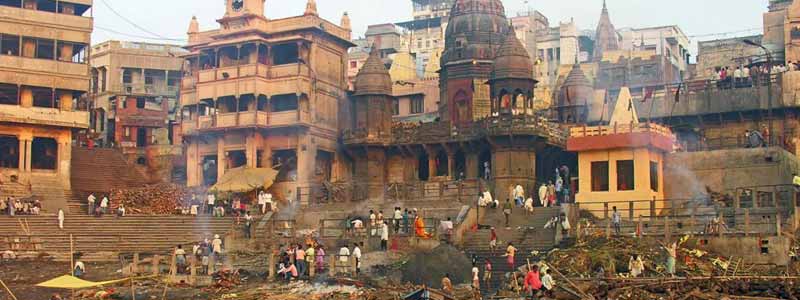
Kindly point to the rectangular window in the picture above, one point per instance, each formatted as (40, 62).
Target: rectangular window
(42, 97)
(285, 54)
(71, 52)
(45, 49)
(625, 172)
(9, 45)
(283, 103)
(9, 94)
(654, 176)
(395, 107)
(127, 76)
(600, 176)
(140, 102)
(417, 105)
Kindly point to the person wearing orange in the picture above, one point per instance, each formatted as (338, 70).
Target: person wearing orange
(532, 283)
(419, 228)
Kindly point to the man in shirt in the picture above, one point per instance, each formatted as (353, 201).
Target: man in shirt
(300, 259)
(79, 270)
(248, 224)
(310, 255)
(289, 273)
(104, 205)
(507, 209)
(344, 257)
(384, 236)
(216, 246)
(61, 219)
(398, 217)
(548, 283)
(532, 283)
(616, 219)
(210, 199)
(357, 256)
(372, 223)
(447, 228)
(91, 201)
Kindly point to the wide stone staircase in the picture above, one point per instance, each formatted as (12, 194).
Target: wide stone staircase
(102, 239)
(99, 171)
(527, 233)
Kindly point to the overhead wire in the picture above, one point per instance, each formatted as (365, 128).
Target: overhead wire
(136, 25)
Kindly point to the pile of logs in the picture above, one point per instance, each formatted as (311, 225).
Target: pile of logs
(156, 199)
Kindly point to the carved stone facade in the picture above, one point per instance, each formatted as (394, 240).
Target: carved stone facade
(261, 93)
(43, 75)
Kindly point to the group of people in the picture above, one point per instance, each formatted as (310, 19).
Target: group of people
(744, 76)
(636, 264)
(14, 206)
(399, 222)
(203, 252)
(296, 261)
(101, 207)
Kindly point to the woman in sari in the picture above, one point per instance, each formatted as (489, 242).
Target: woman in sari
(320, 258)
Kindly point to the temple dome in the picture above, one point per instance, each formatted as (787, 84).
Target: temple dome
(373, 78)
(512, 59)
(474, 30)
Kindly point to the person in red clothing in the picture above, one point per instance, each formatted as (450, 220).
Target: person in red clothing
(493, 240)
(532, 283)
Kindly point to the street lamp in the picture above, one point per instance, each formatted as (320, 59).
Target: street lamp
(769, 84)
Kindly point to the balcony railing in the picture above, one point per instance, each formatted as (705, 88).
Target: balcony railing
(502, 125)
(249, 70)
(248, 119)
(585, 131)
(44, 116)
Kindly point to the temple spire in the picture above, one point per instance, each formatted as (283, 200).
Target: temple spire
(311, 8)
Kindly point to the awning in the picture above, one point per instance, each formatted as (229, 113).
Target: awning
(244, 179)
(71, 282)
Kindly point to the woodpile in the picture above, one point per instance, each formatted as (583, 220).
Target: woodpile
(159, 199)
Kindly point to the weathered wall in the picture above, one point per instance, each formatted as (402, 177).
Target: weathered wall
(750, 249)
(688, 173)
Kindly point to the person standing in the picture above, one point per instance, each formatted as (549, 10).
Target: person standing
(79, 270)
(61, 219)
(616, 219)
(543, 195)
(487, 272)
(300, 259)
(492, 240)
(636, 265)
(476, 282)
(507, 209)
(398, 217)
(210, 200)
(248, 224)
(216, 245)
(532, 283)
(91, 202)
(384, 236)
(372, 223)
(344, 257)
(519, 195)
(180, 258)
(311, 256)
(103, 205)
(510, 253)
(551, 194)
(548, 283)
(405, 221)
(487, 170)
(320, 256)
(672, 255)
(357, 257)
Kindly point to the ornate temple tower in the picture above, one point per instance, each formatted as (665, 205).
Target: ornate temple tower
(475, 31)
(606, 37)
(372, 124)
(574, 98)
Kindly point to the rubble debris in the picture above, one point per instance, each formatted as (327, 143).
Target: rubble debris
(156, 199)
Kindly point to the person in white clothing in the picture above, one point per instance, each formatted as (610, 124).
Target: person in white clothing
(61, 219)
(543, 195)
(384, 236)
(91, 201)
(548, 283)
(344, 257)
(357, 256)
(104, 204)
(210, 199)
(262, 202)
(216, 245)
(79, 269)
(529, 205)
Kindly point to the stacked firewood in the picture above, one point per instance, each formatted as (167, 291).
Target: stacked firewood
(156, 199)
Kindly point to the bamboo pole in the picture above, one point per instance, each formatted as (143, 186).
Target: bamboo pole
(8, 290)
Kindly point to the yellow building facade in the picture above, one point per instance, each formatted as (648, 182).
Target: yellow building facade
(621, 163)
(43, 74)
(265, 93)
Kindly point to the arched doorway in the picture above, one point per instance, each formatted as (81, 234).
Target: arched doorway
(442, 163)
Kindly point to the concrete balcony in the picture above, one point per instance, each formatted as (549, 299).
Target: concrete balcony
(44, 116)
(362, 136)
(150, 90)
(61, 21)
(248, 119)
(34, 72)
(188, 127)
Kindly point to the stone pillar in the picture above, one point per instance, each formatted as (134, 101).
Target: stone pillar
(156, 265)
(451, 166)
(23, 154)
(222, 159)
(26, 97)
(28, 154)
(250, 150)
(472, 166)
(65, 100)
(431, 165)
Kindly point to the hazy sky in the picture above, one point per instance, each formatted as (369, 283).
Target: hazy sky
(698, 18)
